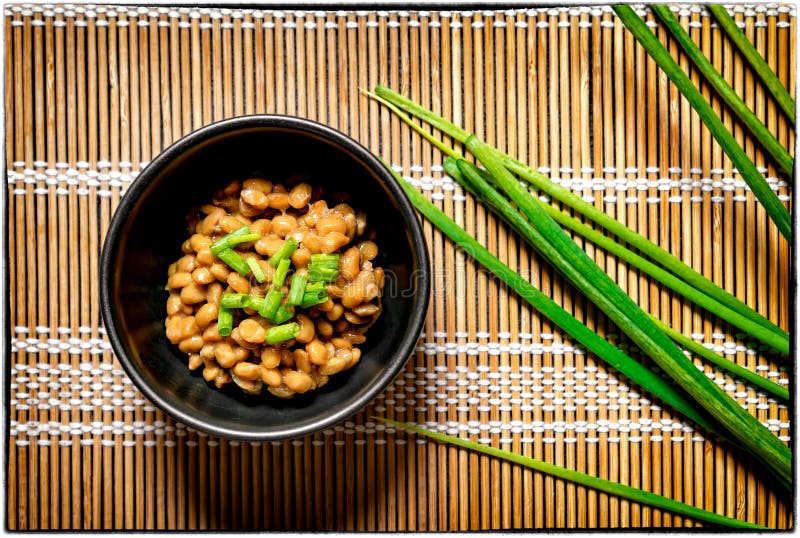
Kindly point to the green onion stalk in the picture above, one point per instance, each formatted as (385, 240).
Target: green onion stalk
(398, 104)
(762, 69)
(599, 484)
(597, 286)
(759, 130)
(600, 289)
(479, 187)
(761, 189)
(593, 342)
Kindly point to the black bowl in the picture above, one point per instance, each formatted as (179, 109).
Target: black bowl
(145, 236)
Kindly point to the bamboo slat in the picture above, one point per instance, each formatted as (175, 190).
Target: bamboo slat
(92, 93)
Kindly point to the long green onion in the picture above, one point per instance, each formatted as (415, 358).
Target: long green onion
(236, 237)
(586, 276)
(757, 62)
(271, 304)
(297, 288)
(476, 182)
(281, 333)
(396, 102)
(761, 189)
(280, 273)
(637, 373)
(757, 128)
(233, 260)
(286, 249)
(600, 484)
(224, 321)
(740, 371)
(258, 272)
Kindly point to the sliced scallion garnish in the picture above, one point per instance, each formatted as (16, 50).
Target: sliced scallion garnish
(282, 333)
(234, 261)
(286, 249)
(236, 237)
(297, 288)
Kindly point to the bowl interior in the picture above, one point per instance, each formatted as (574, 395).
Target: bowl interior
(147, 235)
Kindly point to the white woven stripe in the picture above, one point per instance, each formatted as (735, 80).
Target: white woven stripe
(85, 14)
(635, 432)
(79, 181)
(76, 343)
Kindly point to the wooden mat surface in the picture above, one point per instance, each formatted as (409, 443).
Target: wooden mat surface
(93, 93)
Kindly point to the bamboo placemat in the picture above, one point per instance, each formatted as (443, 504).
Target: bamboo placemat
(92, 93)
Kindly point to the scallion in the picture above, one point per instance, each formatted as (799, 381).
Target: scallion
(313, 298)
(224, 321)
(297, 288)
(583, 273)
(473, 180)
(258, 272)
(315, 286)
(477, 182)
(282, 333)
(637, 373)
(286, 249)
(757, 62)
(397, 103)
(323, 267)
(284, 313)
(600, 484)
(234, 300)
(271, 304)
(236, 237)
(280, 273)
(747, 169)
(256, 303)
(234, 261)
(757, 128)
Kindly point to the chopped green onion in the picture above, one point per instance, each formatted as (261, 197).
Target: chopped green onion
(313, 298)
(258, 272)
(323, 267)
(256, 303)
(280, 273)
(281, 333)
(234, 261)
(297, 288)
(315, 286)
(271, 303)
(236, 237)
(757, 62)
(747, 169)
(324, 274)
(224, 321)
(287, 249)
(600, 484)
(284, 313)
(324, 260)
(234, 300)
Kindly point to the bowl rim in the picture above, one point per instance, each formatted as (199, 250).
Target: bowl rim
(419, 248)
